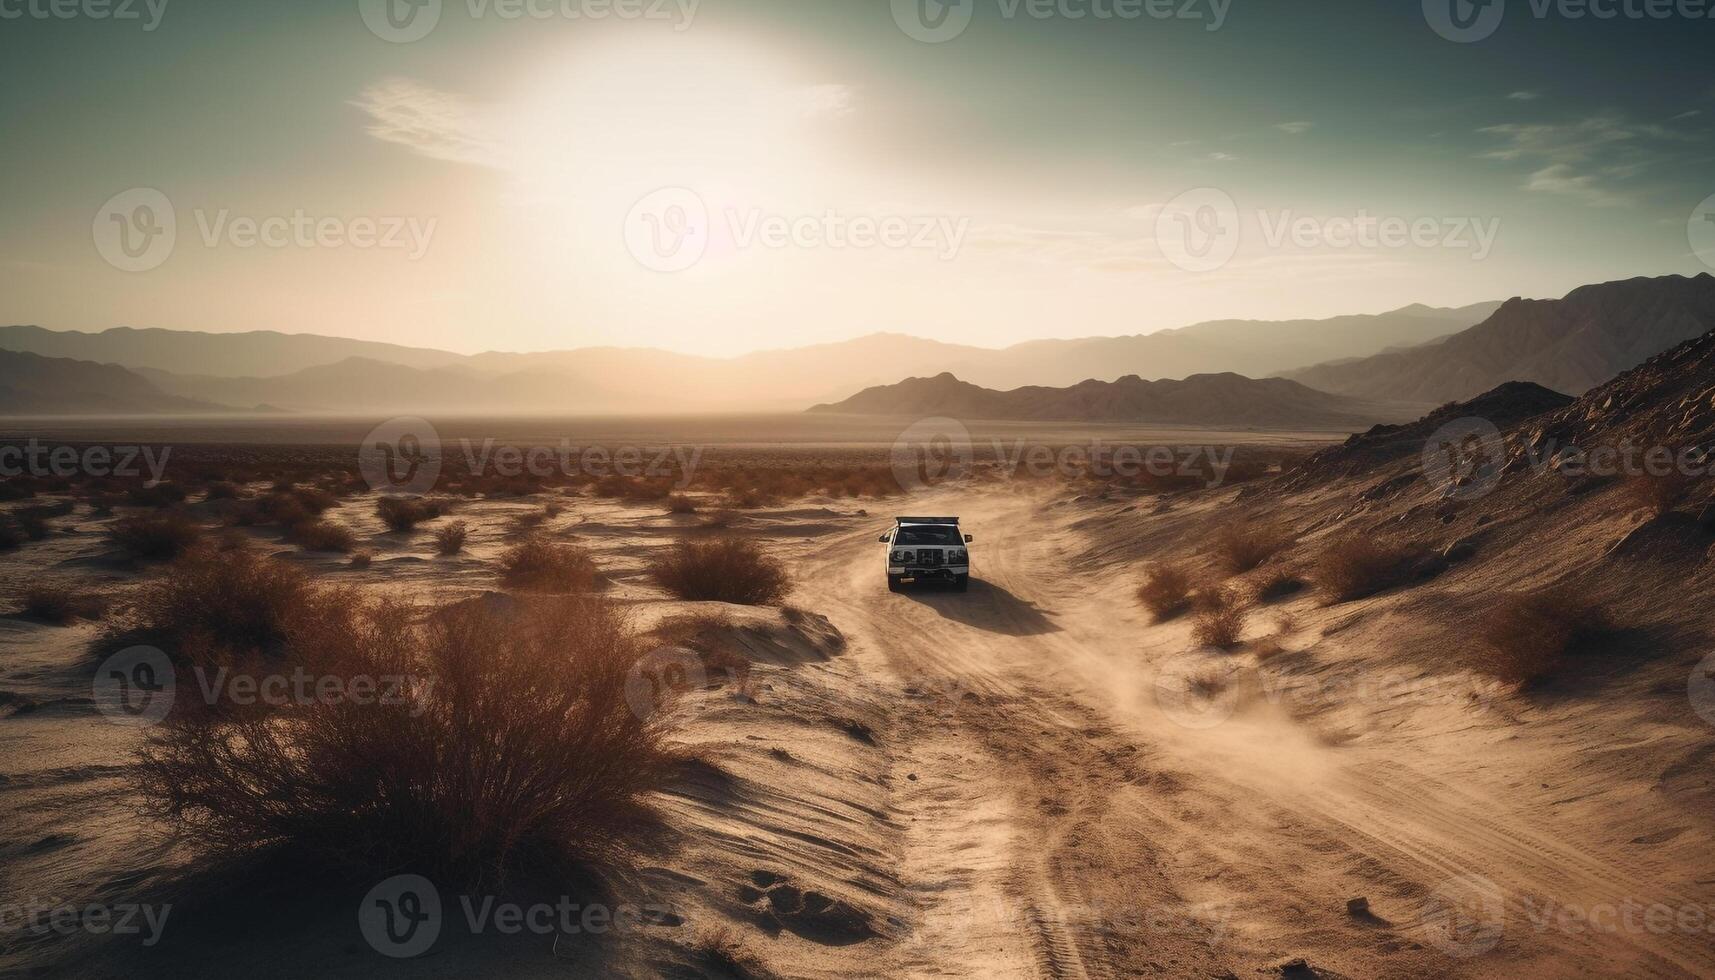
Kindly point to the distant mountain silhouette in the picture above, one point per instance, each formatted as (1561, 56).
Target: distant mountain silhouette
(1203, 400)
(262, 353)
(309, 373)
(1570, 344)
(34, 385)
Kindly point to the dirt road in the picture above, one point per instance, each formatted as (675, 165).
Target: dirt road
(1066, 820)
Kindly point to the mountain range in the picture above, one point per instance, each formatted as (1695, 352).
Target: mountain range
(1569, 345)
(1203, 399)
(1416, 355)
(309, 373)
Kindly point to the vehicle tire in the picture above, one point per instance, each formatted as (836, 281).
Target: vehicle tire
(961, 582)
(893, 583)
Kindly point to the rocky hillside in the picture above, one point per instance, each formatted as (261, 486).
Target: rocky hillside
(1570, 344)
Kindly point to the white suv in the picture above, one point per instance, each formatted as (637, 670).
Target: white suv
(927, 549)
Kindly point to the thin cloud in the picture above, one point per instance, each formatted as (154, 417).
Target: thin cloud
(1524, 96)
(1583, 159)
(439, 125)
(1561, 179)
(1295, 128)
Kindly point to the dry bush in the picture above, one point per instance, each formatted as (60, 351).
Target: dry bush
(33, 521)
(362, 559)
(405, 513)
(236, 601)
(1220, 619)
(450, 540)
(498, 739)
(1359, 565)
(724, 570)
(1277, 584)
(726, 953)
(155, 536)
(680, 504)
(1242, 546)
(221, 490)
(1529, 635)
(61, 606)
(541, 565)
(322, 536)
(1658, 494)
(1167, 591)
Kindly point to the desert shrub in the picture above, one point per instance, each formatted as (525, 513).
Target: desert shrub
(553, 509)
(542, 565)
(222, 490)
(680, 504)
(321, 536)
(1658, 494)
(1167, 591)
(1359, 565)
(362, 559)
(449, 540)
(1220, 618)
(405, 513)
(1527, 636)
(1276, 585)
(725, 570)
(523, 754)
(235, 601)
(61, 606)
(750, 498)
(155, 536)
(11, 535)
(1242, 546)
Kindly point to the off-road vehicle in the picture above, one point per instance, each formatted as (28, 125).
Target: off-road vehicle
(927, 549)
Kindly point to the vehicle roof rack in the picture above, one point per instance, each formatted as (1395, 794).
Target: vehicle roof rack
(925, 520)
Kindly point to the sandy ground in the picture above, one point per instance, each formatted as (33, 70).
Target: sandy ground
(1004, 783)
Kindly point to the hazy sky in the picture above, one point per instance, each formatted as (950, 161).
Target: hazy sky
(725, 175)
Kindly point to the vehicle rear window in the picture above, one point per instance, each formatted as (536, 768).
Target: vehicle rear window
(928, 534)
